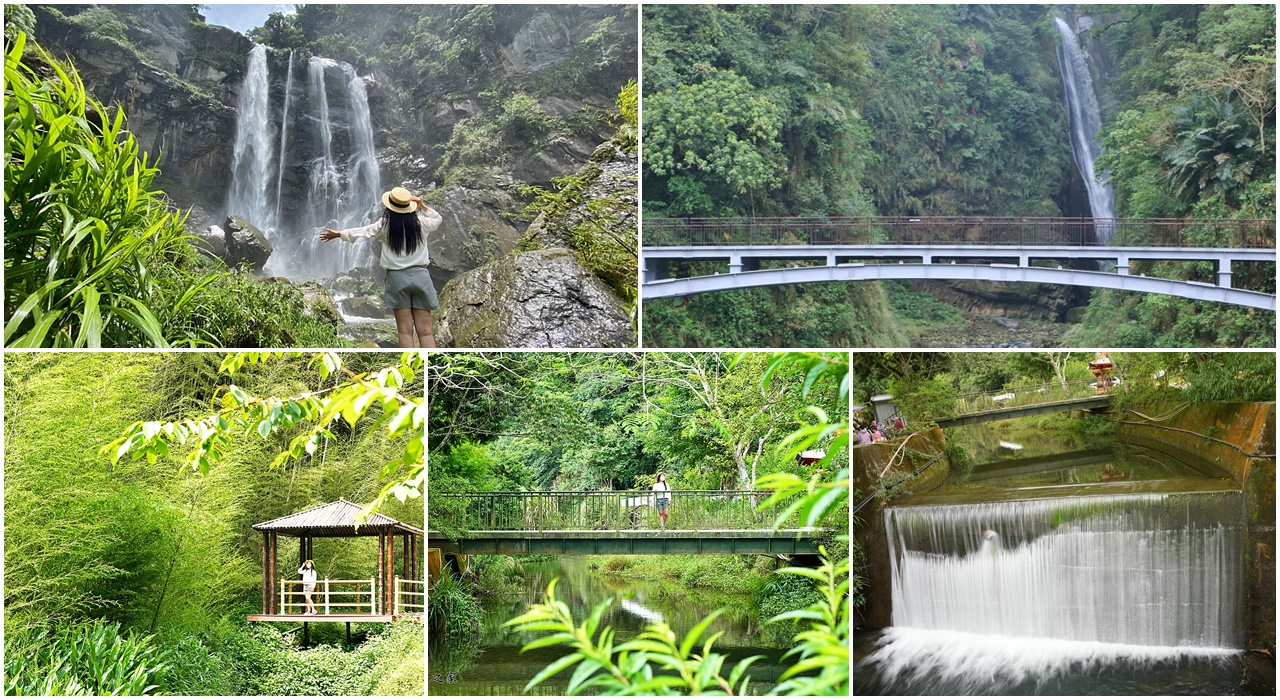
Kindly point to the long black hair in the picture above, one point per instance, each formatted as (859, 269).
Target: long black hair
(404, 233)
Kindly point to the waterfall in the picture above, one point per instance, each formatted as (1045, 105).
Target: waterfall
(1084, 119)
(251, 162)
(284, 138)
(366, 185)
(323, 183)
(1160, 570)
(333, 198)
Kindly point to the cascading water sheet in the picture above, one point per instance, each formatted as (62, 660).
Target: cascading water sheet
(1085, 119)
(1157, 570)
(251, 154)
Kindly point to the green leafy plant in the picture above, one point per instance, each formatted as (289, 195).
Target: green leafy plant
(83, 228)
(625, 669)
(402, 416)
(86, 659)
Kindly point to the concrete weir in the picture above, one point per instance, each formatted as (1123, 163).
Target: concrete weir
(1215, 528)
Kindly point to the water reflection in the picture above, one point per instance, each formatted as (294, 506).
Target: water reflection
(493, 664)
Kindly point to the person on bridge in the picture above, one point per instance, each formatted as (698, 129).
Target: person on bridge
(308, 571)
(663, 498)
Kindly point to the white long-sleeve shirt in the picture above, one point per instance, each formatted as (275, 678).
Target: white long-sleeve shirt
(308, 575)
(428, 218)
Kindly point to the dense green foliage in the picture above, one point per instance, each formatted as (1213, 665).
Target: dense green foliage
(1190, 138)
(167, 552)
(586, 421)
(925, 384)
(94, 256)
(83, 229)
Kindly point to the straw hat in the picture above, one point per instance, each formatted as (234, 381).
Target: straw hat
(399, 200)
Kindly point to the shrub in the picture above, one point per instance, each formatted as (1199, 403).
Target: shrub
(451, 609)
(83, 228)
(615, 564)
(85, 659)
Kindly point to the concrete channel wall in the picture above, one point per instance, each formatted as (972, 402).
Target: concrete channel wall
(1240, 438)
(870, 462)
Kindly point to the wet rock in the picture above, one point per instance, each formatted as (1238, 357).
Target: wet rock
(537, 299)
(371, 334)
(613, 175)
(475, 229)
(212, 242)
(318, 303)
(1005, 322)
(541, 42)
(245, 244)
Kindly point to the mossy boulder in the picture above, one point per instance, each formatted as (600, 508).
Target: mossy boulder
(536, 299)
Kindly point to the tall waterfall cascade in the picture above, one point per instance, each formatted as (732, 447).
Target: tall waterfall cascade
(251, 154)
(1084, 119)
(337, 196)
(1148, 569)
(284, 136)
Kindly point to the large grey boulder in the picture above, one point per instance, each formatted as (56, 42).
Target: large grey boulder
(537, 299)
(212, 242)
(245, 244)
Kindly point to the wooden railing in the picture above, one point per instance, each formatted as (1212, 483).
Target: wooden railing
(961, 230)
(410, 596)
(602, 510)
(360, 602)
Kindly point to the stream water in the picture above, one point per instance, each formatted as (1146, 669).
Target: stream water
(1064, 564)
(493, 664)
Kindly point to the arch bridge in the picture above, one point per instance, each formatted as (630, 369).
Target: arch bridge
(613, 522)
(1016, 249)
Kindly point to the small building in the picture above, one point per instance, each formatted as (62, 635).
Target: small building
(885, 408)
(386, 596)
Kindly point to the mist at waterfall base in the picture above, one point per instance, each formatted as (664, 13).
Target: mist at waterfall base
(1109, 588)
(1085, 119)
(339, 194)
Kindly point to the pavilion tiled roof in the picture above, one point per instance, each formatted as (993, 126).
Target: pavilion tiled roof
(337, 519)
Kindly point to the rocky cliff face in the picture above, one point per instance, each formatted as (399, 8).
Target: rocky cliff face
(174, 76)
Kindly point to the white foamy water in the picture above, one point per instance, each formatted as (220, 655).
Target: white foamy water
(965, 663)
(1149, 570)
(1085, 119)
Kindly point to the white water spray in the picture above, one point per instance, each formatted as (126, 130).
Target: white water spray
(1085, 119)
(251, 162)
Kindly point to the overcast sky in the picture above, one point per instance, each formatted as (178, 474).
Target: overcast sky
(241, 18)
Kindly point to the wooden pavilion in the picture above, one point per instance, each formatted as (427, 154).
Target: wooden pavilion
(386, 597)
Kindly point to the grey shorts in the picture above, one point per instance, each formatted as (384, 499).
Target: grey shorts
(410, 288)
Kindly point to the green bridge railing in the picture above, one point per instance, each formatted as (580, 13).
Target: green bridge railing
(1033, 395)
(603, 510)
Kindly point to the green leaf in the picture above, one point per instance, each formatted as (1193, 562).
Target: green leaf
(553, 668)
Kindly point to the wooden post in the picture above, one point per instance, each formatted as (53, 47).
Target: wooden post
(274, 602)
(326, 595)
(396, 609)
(348, 632)
(306, 634)
(380, 593)
(267, 586)
(391, 571)
(302, 551)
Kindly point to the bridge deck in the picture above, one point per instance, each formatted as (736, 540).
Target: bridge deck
(1082, 404)
(330, 618)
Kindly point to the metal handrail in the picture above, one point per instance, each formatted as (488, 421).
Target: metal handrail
(960, 230)
(696, 509)
(1031, 395)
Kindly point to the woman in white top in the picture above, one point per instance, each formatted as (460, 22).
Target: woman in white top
(663, 498)
(308, 571)
(403, 228)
